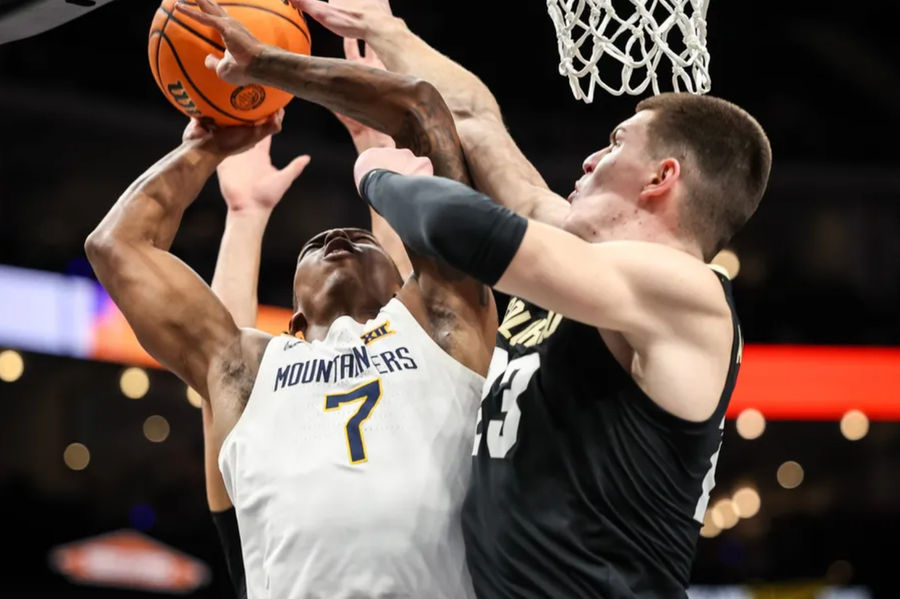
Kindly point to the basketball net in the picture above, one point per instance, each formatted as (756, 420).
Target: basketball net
(592, 33)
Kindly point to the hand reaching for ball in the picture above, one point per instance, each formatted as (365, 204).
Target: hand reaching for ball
(242, 47)
(228, 141)
(250, 182)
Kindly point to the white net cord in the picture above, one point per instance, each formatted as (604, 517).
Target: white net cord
(592, 34)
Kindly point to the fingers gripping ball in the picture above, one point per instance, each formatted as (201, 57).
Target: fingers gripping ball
(179, 45)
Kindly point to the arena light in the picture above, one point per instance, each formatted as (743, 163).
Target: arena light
(750, 423)
(11, 366)
(854, 425)
(724, 514)
(77, 456)
(790, 475)
(156, 429)
(709, 529)
(134, 383)
(194, 398)
(746, 502)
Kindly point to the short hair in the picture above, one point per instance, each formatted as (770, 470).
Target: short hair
(731, 156)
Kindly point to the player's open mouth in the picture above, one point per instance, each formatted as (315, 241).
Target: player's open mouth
(339, 247)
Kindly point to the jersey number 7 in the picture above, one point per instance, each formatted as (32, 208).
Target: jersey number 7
(368, 395)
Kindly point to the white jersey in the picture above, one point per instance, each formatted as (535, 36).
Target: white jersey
(350, 463)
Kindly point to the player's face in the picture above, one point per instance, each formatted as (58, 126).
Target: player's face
(344, 261)
(613, 179)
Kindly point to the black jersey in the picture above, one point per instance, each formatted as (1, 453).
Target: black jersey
(582, 486)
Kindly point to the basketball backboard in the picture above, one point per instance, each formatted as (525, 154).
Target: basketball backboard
(24, 18)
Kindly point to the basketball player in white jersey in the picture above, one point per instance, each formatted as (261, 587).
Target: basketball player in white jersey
(344, 447)
(252, 187)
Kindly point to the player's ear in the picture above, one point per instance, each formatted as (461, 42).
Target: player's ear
(663, 181)
(298, 324)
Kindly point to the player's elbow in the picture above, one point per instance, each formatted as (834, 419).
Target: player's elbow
(428, 107)
(101, 247)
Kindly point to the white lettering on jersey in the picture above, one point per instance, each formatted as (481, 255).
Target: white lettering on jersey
(503, 432)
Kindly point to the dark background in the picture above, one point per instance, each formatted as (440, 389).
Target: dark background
(80, 118)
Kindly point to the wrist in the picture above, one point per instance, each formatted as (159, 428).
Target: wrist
(256, 70)
(240, 210)
(201, 155)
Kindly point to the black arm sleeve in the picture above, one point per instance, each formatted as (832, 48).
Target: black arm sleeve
(440, 218)
(229, 536)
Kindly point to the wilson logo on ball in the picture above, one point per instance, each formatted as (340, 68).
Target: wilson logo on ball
(181, 97)
(248, 97)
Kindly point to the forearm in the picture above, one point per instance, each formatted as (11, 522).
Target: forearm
(151, 208)
(373, 97)
(410, 110)
(167, 305)
(495, 163)
(237, 268)
(216, 494)
(443, 219)
(402, 51)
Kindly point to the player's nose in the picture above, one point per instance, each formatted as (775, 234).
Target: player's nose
(590, 162)
(332, 234)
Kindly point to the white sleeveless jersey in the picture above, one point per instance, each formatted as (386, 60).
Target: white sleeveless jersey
(350, 463)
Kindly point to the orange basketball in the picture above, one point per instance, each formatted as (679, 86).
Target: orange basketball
(179, 45)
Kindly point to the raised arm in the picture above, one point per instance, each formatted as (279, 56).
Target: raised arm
(458, 311)
(408, 109)
(497, 166)
(252, 187)
(365, 138)
(667, 305)
(174, 314)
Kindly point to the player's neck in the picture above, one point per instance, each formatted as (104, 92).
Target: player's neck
(319, 323)
(648, 231)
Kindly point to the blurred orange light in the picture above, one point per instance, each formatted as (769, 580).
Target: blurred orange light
(792, 382)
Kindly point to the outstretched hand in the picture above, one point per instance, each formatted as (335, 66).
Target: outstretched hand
(348, 18)
(249, 181)
(398, 161)
(227, 141)
(242, 47)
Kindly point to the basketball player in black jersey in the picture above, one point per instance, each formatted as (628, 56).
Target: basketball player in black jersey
(602, 418)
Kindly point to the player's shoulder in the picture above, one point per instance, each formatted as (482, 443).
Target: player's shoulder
(254, 341)
(664, 268)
